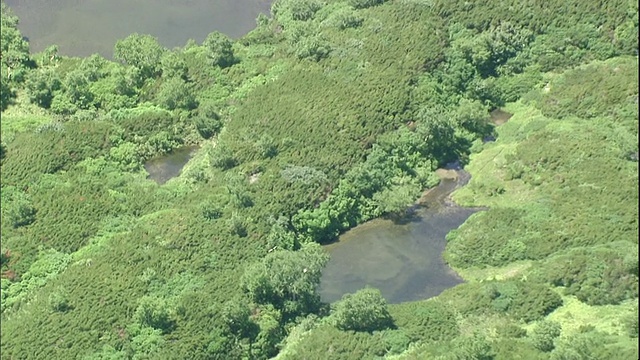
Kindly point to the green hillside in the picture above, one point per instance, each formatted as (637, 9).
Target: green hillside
(328, 114)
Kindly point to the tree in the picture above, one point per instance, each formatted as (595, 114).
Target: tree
(146, 342)
(270, 332)
(287, 279)
(362, 4)
(281, 237)
(344, 18)
(223, 158)
(173, 65)
(59, 300)
(14, 49)
(266, 146)
(17, 208)
(314, 47)
(211, 209)
(236, 315)
(237, 225)
(300, 10)
(14, 55)
(544, 335)
(77, 90)
(49, 56)
(6, 93)
(474, 347)
(208, 122)
(219, 49)
(114, 91)
(175, 94)
(40, 85)
(126, 155)
(396, 199)
(630, 323)
(140, 51)
(153, 312)
(236, 185)
(366, 310)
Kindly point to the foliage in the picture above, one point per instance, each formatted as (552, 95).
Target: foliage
(41, 85)
(140, 51)
(287, 279)
(175, 94)
(595, 275)
(593, 90)
(426, 320)
(52, 148)
(219, 51)
(17, 207)
(631, 324)
(301, 10)
(207, 121)
(365, 310)
(361, 4)
(326, 115)
(544, 335)
(153, 313)
(518, 300)
(15, 59)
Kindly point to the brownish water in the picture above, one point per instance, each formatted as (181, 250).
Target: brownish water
(85, 27)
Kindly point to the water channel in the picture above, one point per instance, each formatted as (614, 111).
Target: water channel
(85, 27)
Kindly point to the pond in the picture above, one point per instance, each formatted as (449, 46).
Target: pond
(163, 168)
(85, 27)
(403, 260)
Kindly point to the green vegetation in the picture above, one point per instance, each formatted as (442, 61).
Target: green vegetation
(366, 310)
(328, 114)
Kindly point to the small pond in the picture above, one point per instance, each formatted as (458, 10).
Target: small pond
(168, 166)
(403, 260)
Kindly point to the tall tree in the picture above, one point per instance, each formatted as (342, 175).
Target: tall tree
(287, 279)
(366, 310)
(219, 49)
(141, 51)
(14, 55)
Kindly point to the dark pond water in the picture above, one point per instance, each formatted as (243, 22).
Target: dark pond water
(168, 166)
(403, 260)
(85, 27)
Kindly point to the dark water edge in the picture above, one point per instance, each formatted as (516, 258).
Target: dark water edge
(163, 168)
(85, 27)
(402, 259)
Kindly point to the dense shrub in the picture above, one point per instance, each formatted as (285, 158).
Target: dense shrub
(425, 320)
(54, 147)
(365, 310)
(596, 276)
(594, 90)
(522, 301)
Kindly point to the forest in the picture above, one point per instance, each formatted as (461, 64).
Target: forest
(328, 114)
